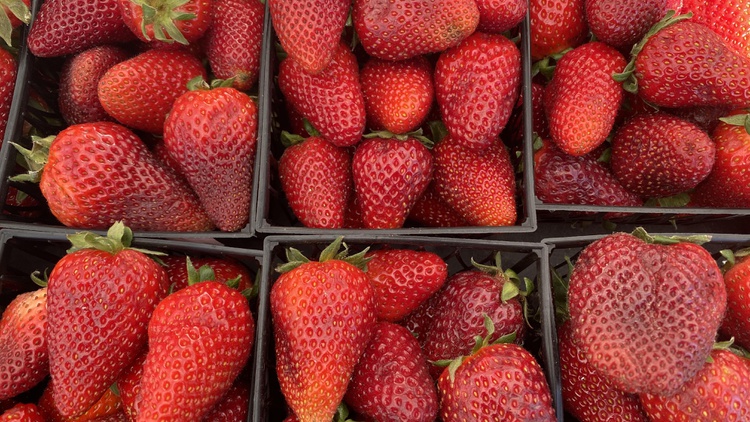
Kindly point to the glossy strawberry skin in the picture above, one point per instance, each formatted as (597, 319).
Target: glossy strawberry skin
(389, 175)
(476, 85)
(22, 413)
(730, 19)
(737, 321)
(192, 29)
(498, 16)
(96, 195)
(8, 73)
(431, 210)
(331, 100)
(556, 25)
(139, 92)
(621, 24)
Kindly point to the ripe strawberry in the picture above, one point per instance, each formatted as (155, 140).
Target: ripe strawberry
(621, 24)
(107, 409)
(309, 30)
(476, 85)
(331, 100)
(7, 85)
(498, 16)
(22, 413)
(320, 339)
(403, 279)
(625, 292)
(201, 336)
(391, 382)
(129, 384)
(24, 361)
(720, 391)
(353, 214)
(397, 95)
(139, 92)
(659, 155)
(399, 30)
(737, 320)
(480, 186)
(389, 175)
(430, 210)
(225, 269)
(233, 407)
(556, 25)
(512, 135)
(317, 181)
(66, 27)
(79, 79)
(161, 21)
(234, 39)
(582, 100)
(729, 19)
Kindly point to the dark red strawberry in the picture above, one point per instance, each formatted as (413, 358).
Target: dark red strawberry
(622, 23)
(730, 19)
(498, 16)
(129, 384)
(430, 210)
(8, 73)
(513, 135)
(353, 214)
(225, 270)
(183, 21)
(233, 407)
(22, 413)
(737, 280)
(556, 25)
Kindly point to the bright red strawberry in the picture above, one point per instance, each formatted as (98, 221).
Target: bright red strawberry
(398, 95)
(317, 181)
(556, 25)
(129, 384)
(476, 85)
(389, 176)
(730, 19)
(720, 391)
(658, 155)
(480, 186)
(139, 92)
(498, 16)
(402, 29)
(66, 27)
(582, 100)
(309, 30)
(320, 339)
(403, 279)
(625, 292)
(331, 100)
(79, 79)
(391, 382)
(234, 39)
(621, 24)
(22, 413)
(737, 320)
(430, 210)
(107, 409)
(7, 85)
(24, 361)
(167, 21)
(225, 269)
(201, 336)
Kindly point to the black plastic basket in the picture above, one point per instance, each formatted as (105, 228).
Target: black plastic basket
(525, 258)
(635, 215)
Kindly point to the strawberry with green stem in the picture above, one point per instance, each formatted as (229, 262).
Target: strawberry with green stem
(167, 21)
(16, 13)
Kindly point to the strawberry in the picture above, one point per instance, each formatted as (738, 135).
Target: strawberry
(167, 21)
(66, 27)
(402, 29)
(403, 279)
(625, 292)
(309, 30)
(659, 155)
(391, 382)
(129, 384)
(737, 280)
(225, 270)
(720, 391)
(139, 92)
(353, 214)
(476, 85)
(319, 340)
(211, 133)
(397, 95)
(480, 186)
(582, 100)
(621, 24)
(430, 210)
(730, 19)
(498, 16)
(233, 407)
(7, 85)
(79, 79)
(389, 175)
(22, 413)
(108, 407)
(331, 100)
(317, 181)
(24, 361)
(512, 135)
(234, 39)
(556, 25)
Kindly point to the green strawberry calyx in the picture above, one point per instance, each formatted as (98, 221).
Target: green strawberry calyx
(730, 347)
(513, 285)
(34, 159)
(19, 9)
(742, 119)
(39, 279)
(417, 134)
(161, 15)
(119, 237)
(642, 234)
(334, 251)
(200, 84)
(731, 257)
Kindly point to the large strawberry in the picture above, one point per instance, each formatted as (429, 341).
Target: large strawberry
(556, 25)
(320, 339)
(167, 21)
(730, 19)
(401, 29)
(646, 314)
(737, 280)
(623, 23)
(22, 413)
(120, 287)
(476, 85)
(8, 73)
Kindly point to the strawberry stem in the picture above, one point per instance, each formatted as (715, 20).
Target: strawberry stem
(161, 15)
(34, 159)
(39, 281)
(119, 237)
(642, 234)
(738, 120)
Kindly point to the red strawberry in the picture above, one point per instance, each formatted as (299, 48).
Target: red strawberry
(353, 214)
(403, 279)
(22, 413)
(234, 39)
(659, 155)
(233, 407)
(316, 178)
(391, 382)
(512, 135)
(139, 92)
(211, 133)
(498, 16)
(65, 27)
(737, 320)
(23, 347)
(225, 269)
(397, 95)
(556, 25)
(309, 30)
(320, 339)
(624, 293)
(621, 24)
(331, 100)
(431, 210)
(7, 85)
(398, 30)
(582, 100)
(120, 287)
(107, 409)
(79, 79)
(476, 85)
(730, 19)
(389, 175)
(183, 21)
(129, 384)
(480, 186)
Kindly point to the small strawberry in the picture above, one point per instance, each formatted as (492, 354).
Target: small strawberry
(225, 270)
(320, 339)
(167, 21)
(8, 73)
(23, 413)
(498, 16)
(556, 25)
(737, 280)
(431, 210)
(621, 24)
(402, 29)
(730, 19)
